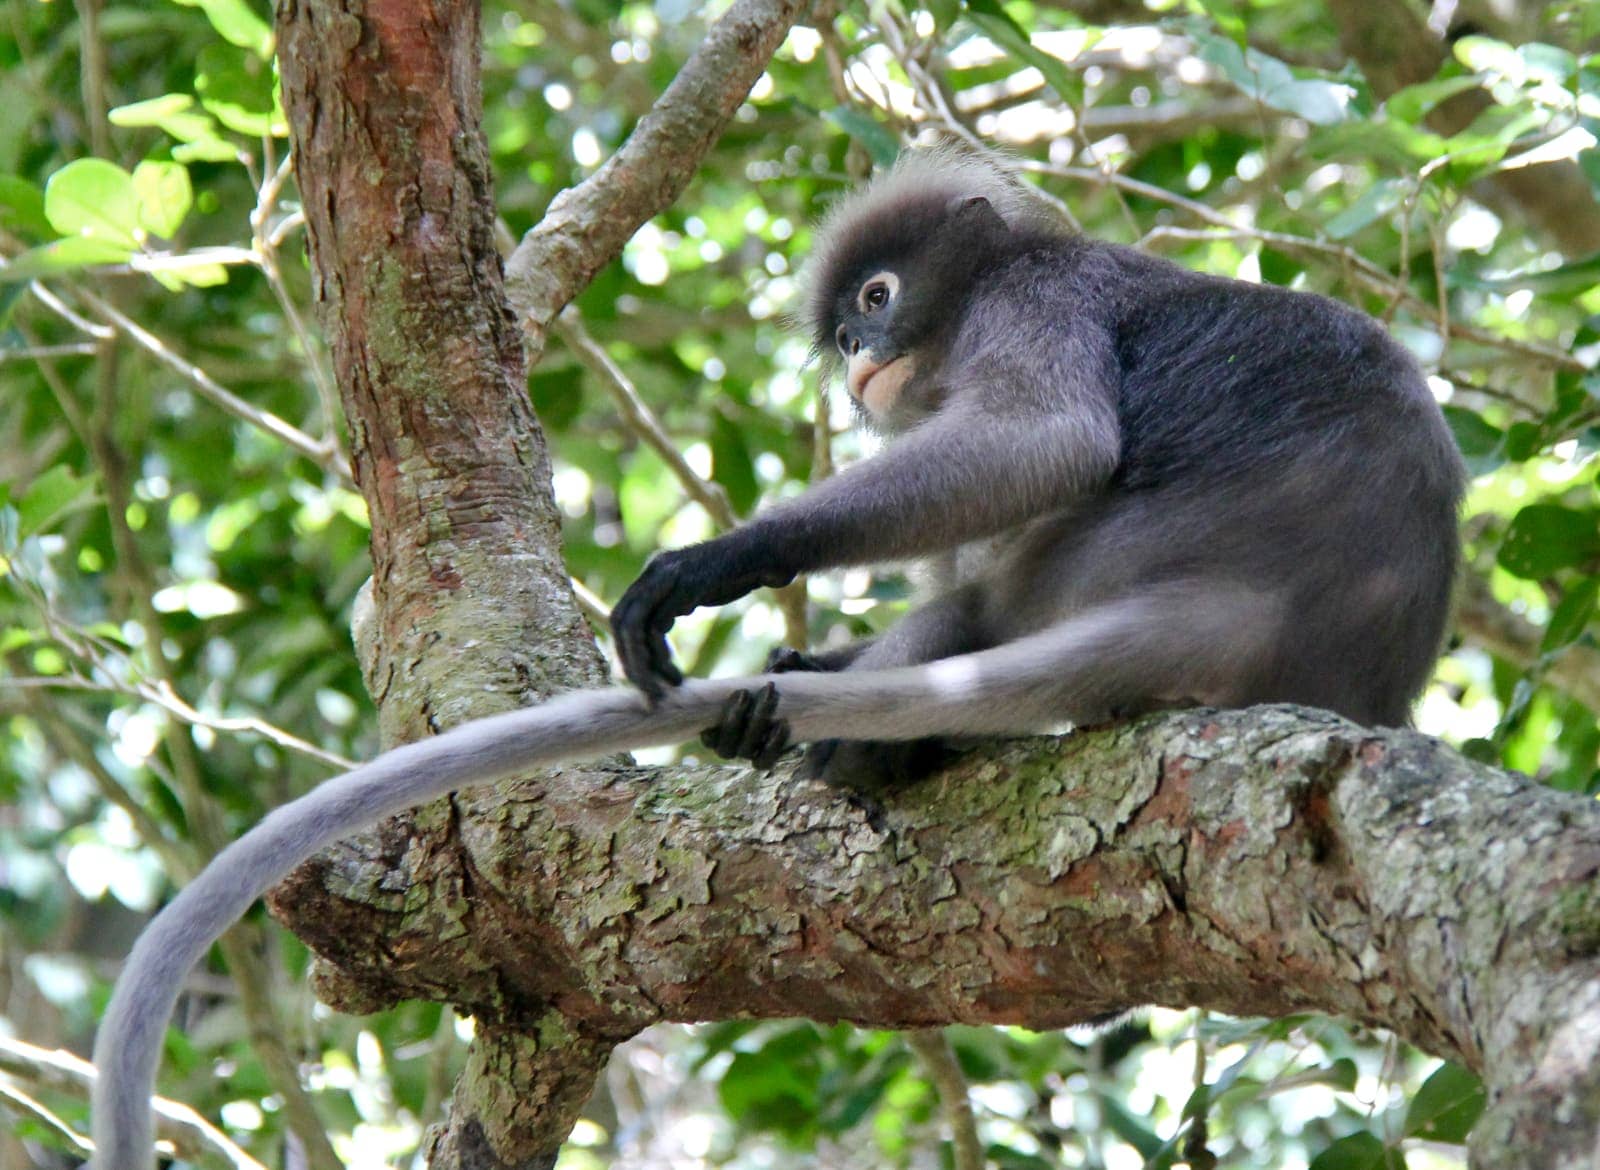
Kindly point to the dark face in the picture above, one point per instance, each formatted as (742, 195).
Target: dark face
(878, 359)
(893, 306)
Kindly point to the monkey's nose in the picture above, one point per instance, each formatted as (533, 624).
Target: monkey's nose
(849, 346)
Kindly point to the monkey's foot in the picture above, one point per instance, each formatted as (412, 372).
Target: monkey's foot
(749, 729)
(870, 766)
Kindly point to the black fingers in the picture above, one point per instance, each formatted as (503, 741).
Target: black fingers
(676, 582)
(640, 621)
(748, 728)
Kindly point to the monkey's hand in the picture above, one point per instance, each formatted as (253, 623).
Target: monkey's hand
(675, 583)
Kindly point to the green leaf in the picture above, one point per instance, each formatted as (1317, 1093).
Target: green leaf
(1571, 616)
(1447, 1105)
(1377, 200)
(557, 395)
(1278, 267)
(165, 196)
(237, 88)
(51, 496)
(1359, 1151)
(732, 465)
(22, 208)
(1129, 1128)
(206, 150)
(237, 24)
(1271, 82)
(66, 255)
(878, 140)
(1547, 63)
(1226, 16)
(1479, 440)
(1545, 537)
(1414, 101)
(93, 199)
(152, 111)
(1000, 27)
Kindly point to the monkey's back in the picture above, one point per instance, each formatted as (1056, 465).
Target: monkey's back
(1281, 440)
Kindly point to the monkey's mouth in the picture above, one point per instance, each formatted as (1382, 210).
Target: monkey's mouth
(877, 384)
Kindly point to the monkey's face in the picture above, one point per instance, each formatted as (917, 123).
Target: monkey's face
(892, 290)
(877, 365)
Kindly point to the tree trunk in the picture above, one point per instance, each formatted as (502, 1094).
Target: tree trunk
(472, 611)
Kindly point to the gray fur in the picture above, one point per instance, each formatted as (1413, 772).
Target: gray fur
(1147, 487)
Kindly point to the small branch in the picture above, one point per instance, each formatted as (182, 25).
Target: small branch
(587, 225)
(265, 245)
(641, 420)
(1195, 1150)
(160, 695)
(20, 1102)
(592, 604)
(191, 1135)
(932, 1047)
(92, 76)
(35, 353)
(324, 454)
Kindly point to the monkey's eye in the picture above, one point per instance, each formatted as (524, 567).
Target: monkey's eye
(874, 296)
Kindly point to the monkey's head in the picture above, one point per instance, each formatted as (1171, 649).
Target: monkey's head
(891, 270)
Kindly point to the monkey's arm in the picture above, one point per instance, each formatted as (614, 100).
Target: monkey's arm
(972, 471)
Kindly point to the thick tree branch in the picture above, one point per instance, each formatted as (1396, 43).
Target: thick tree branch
(587, 225)
(1259, 863)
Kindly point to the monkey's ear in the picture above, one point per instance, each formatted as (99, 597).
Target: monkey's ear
(973, 209)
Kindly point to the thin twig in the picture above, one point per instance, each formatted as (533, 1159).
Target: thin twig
(189, 1132)
(932, 1047)
(324, 454)
(266, 252)
(640, 419)
(20, 1102)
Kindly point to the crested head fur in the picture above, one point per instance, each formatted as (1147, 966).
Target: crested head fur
(897, 214)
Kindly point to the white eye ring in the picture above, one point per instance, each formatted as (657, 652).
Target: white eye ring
(877, 291)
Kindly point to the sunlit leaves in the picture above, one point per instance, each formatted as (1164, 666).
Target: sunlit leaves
(1546, 537)
(196, 132)
(163, 196)
(1274, 84)
(237, 24)
(96, 200)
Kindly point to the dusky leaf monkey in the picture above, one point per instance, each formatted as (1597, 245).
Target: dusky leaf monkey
(1140, 487)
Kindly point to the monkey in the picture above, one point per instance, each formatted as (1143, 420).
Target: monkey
(1138, 487)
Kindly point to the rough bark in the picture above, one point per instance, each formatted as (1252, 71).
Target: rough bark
(1394, 48)
(1259, 863)
(384, 102)
(470, 609)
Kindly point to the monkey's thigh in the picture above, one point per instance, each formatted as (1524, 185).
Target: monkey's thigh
(949, 625)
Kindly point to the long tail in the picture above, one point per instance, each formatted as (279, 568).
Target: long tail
(1026, 685)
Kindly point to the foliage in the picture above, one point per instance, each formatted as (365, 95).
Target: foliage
(180, 546)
